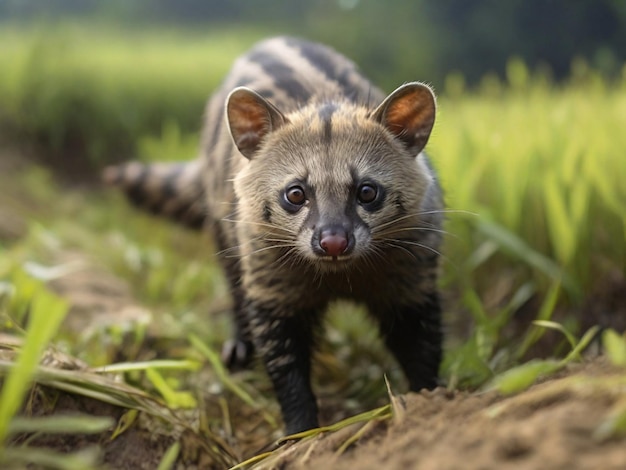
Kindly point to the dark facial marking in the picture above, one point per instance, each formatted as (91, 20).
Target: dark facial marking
(325, 114)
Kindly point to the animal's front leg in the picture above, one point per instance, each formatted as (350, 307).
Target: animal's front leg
(413, 334)
(284, 343)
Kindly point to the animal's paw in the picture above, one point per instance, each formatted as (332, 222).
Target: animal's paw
(237, 354)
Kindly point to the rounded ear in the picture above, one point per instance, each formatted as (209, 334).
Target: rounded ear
(409, 114)
(250, 118)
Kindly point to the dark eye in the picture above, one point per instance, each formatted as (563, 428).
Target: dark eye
(367, 193)
(295, 195)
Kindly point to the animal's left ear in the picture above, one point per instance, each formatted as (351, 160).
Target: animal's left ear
(409, 114)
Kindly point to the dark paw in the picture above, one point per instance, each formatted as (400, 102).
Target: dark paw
(237, 354)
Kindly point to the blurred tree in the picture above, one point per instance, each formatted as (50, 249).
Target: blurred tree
(482, 34)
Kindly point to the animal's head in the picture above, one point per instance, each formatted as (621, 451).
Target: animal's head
(332, 182)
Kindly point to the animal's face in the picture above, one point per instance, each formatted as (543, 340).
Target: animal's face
(330, 185)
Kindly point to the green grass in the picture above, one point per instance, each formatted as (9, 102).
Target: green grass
(540, 170)
(98, 90)
(545, 165)
(533, 178)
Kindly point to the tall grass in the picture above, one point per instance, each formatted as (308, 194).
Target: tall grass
(96, 90)
(543, 169)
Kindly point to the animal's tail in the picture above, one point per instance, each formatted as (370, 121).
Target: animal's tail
(174, 190)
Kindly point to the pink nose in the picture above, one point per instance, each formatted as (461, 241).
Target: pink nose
(333, 243)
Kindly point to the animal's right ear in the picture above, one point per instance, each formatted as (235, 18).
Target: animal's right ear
(250, 118)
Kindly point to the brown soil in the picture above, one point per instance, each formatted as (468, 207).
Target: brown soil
(550, 426)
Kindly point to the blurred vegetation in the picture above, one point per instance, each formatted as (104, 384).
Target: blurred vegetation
(96, 99)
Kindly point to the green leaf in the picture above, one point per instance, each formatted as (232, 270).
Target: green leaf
(169, 458)
(521, 377)
(558, 327)
(125, 422)
(226, 379)
(174, 398)
(615, 347)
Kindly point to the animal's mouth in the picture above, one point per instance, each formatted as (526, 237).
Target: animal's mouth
(336, 260)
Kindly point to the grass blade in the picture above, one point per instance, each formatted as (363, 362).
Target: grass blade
(21, 457)
(521, 377)
(169, 459)
(514, 245)
(85, 424)
(47, 312)
(545, 313)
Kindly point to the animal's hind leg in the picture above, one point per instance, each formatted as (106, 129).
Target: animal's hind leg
(239, 350)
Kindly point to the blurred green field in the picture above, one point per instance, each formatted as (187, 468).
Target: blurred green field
(96, 91)
(533, 173)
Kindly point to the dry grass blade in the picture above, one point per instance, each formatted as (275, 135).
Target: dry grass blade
(287, 445)
(367, 427)
(398, 405)
(144, 365)
(383, 411)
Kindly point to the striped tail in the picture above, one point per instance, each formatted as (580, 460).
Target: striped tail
(173, 190)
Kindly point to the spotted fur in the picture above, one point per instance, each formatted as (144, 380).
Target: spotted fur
(315, 187)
